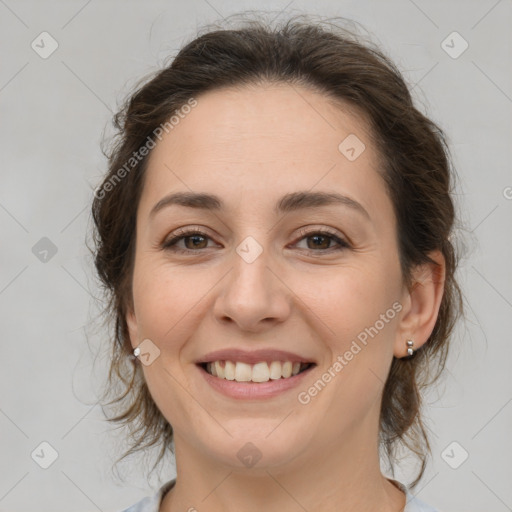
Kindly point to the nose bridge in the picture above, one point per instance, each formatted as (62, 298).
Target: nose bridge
(250, 273)
(251, 292)
(251, 261)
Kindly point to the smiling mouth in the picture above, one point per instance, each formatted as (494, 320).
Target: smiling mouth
(259, 372)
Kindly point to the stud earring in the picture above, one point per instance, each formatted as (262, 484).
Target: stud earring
(410, 350)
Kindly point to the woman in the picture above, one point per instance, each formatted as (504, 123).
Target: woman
(274, 232)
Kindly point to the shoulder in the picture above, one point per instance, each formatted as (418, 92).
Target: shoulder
(412, 503)
(147, 504)
(151, 503)
(416, 505)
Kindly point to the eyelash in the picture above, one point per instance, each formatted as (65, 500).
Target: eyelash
(170, 244)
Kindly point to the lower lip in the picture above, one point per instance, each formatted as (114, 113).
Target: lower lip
(253, 390)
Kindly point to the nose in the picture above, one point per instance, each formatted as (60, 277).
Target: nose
(253, 295)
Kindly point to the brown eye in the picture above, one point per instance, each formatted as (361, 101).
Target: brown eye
(193, 240)
(197, 242)
(321, 241)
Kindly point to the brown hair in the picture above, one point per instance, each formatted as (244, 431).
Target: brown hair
(415, 165)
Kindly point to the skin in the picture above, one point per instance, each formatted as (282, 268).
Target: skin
(250, 146)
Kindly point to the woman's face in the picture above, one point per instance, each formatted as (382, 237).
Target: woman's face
(264, 281)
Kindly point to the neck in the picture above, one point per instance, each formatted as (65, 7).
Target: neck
(320, 478)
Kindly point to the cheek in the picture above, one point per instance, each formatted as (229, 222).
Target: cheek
(355, 313)
(165, 302)
(163, 298)
(359, 308)
(350, 298)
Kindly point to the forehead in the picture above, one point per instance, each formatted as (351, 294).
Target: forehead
(253, 140)
(274, 118)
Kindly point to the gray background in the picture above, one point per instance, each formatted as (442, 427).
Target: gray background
(53, 113)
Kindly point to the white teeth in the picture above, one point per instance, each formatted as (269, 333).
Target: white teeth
(259, 372)
(286, 370)
(243, 372)
(275, 370)
(219, 370)
(229, 370)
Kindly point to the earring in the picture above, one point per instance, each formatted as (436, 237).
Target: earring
(410, 350)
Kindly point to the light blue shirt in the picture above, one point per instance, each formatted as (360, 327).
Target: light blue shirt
(152, 503)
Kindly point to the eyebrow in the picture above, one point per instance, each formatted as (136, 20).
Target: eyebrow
(288, 203)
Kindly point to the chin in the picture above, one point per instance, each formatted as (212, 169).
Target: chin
(255, 446)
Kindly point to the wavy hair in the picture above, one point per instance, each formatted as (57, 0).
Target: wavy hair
(415, 164)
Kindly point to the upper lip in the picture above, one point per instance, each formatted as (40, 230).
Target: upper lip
(252, 357)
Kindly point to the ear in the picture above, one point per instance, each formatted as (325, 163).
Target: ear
(131, 322)
(421, 303)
